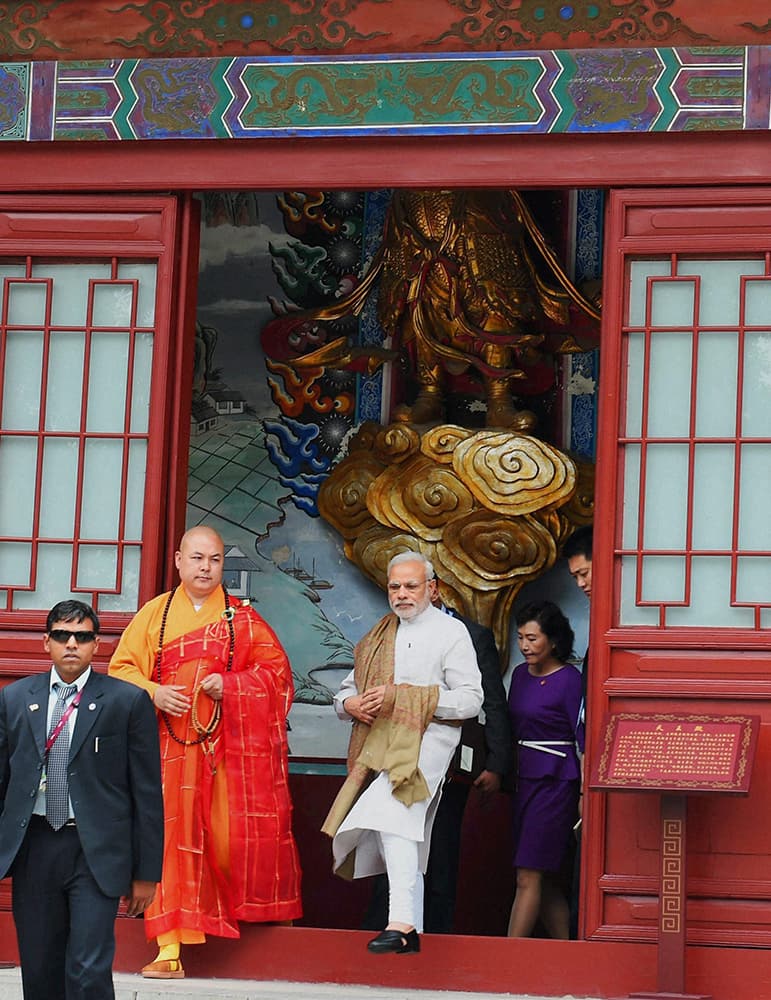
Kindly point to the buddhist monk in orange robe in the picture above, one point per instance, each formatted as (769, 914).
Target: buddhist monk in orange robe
(222, 687)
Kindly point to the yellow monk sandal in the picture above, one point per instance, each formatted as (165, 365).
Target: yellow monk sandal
(169, 968)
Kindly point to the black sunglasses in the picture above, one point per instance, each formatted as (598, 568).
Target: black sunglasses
(63, 635)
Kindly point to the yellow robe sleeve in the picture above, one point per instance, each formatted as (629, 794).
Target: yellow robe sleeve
(134, 656)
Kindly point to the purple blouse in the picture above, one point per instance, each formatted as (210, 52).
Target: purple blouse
(545, 709)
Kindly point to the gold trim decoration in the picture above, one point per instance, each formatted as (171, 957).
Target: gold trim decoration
(487, 558)
(488, 550)
(579, 510)
(671, 876)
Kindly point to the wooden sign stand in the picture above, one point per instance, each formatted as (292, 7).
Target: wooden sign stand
(675, 755)
(672, 904)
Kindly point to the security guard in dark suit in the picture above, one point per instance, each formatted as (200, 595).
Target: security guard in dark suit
(81, 820)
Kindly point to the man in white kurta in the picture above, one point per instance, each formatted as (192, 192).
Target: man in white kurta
(430, 648)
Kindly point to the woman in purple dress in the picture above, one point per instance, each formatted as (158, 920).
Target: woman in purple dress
(545, 705)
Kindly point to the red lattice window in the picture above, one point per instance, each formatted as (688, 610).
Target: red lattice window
(695, 440)
(85, 428)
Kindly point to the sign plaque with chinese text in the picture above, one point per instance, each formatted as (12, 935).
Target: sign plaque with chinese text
(677, 753)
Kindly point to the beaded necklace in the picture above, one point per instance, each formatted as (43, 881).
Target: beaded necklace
(204, 732)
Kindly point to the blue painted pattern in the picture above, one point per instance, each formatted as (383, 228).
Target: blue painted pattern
(570, 91)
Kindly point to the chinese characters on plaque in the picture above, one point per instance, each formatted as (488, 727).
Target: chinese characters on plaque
(679, 753)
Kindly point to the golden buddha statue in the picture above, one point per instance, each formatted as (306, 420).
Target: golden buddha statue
(462, 286)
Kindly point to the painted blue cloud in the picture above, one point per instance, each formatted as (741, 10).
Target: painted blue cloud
(293, 450)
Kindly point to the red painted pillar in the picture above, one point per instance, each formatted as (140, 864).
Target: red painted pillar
(673, 903)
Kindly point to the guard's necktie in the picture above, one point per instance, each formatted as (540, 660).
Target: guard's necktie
(57, 793)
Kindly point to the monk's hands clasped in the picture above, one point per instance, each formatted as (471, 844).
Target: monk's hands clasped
(366, 707)
(171, 698)
(213, 686)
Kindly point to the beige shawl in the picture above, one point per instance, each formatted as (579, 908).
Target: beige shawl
(392, 742)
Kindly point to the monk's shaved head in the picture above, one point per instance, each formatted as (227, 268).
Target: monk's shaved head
(200, 562)
(200, 531)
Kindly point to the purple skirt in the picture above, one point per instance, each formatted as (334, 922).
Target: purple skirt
(545, 811)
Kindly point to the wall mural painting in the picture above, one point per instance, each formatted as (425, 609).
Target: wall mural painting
(300, 274)
(262, 443)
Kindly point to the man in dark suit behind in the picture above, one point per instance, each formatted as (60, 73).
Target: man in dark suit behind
(76, 835)
(442, 874)
(578, 553)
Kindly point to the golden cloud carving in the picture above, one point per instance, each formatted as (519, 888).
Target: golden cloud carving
(580, 507)
(439, 443)
(487, 551)
(514, 474)
(376, 546)
(396, 443)
(490, 509)
(364, 439)
(420, 497)
(342, 499)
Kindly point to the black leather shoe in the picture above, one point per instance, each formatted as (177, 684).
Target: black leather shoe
(400, 942)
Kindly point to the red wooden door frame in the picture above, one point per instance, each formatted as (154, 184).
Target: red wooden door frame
(608, 161)
(640, 668)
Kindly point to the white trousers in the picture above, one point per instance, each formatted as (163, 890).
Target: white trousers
(405, 880)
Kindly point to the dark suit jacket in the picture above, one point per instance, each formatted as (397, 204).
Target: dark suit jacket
(500, 747)
(114, 776)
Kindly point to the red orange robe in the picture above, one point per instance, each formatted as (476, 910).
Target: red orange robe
(229, 853)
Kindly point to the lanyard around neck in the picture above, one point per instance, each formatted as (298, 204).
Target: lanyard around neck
(63, 721)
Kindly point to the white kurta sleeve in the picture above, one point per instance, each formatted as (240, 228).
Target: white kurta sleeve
(460, 694)
(347, 688)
